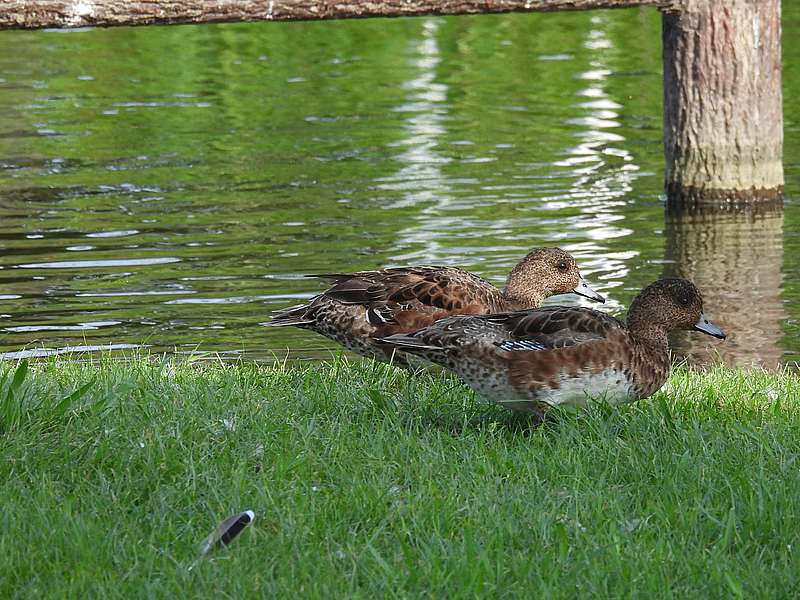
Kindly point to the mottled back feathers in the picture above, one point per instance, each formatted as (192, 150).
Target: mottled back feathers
(444, 288)
(377, 304)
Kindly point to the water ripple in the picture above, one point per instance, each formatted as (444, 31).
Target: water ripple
(84, 264)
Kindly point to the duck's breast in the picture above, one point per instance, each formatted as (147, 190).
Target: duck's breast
(572, 375)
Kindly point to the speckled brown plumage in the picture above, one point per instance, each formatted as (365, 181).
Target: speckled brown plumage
(532, 359)
(360, 308)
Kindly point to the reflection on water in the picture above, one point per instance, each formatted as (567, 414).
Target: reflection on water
(41, 352)
(420, 181)
(601, 169)
(736, 257)
(171, 205)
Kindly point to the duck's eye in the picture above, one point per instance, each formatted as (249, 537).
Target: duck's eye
(562, 266)
(684, 300)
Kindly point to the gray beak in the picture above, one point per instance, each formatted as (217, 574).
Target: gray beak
(583, 289)
(706, 326)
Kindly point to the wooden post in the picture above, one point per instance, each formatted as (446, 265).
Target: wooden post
(723, 115)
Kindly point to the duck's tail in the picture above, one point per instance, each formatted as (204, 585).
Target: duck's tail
(298, 316)
(408, 343)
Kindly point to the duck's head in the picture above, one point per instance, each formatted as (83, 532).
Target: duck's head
(545, 272)
(668, 305)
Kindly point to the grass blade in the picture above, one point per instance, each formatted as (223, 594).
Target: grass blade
(63, 405)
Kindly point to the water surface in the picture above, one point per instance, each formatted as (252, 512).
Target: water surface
(167, 187)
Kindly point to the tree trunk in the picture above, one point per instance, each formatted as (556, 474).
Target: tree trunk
(26, 14)
(723, 116)
(735, 257)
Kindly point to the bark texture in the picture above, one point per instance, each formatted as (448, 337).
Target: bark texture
(34, 14)
(735, 257)
(723, 115)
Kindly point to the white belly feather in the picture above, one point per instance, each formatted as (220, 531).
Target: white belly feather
(610, 386)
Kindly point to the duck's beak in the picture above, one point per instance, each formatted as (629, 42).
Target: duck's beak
(583, 289)
(706, 326)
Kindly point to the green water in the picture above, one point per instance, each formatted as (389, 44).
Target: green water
(167, 187)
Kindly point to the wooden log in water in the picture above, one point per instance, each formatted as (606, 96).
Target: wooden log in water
(26, 14)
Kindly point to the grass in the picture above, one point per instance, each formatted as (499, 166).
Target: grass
(368, 482)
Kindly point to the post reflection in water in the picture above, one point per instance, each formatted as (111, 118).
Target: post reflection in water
(735, 257)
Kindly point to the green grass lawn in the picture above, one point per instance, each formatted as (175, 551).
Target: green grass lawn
(369, 482)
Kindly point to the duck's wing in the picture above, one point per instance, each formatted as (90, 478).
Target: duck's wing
(553, 327)
(436, 288)
(547, 328)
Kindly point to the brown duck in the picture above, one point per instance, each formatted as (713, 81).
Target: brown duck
(530, 360)
(360, 308)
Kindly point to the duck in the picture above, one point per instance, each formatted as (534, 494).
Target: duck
(362, 308)
(532, 360)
